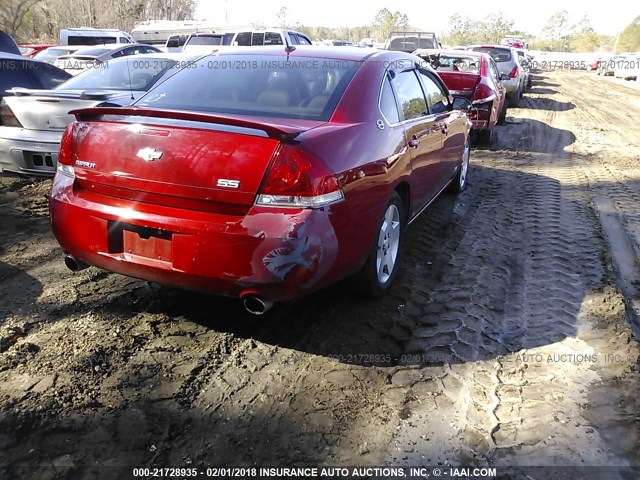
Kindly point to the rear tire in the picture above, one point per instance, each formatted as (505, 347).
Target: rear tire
(460, 181)
(377, 274)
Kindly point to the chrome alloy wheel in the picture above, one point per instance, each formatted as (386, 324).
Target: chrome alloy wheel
(464, 167)
(388, 244)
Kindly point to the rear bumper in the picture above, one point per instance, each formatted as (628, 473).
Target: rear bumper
(278, 254)
(29, 152)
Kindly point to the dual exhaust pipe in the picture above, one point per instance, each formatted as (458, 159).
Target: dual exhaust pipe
(252, 303)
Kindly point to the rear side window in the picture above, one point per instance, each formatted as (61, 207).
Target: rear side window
(307, 88)
(257, 38)
(499, 55)
(243, 39)
(388, 105)
(410, 96)
(272, 38)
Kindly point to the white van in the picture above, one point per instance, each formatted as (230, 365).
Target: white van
(94, 36)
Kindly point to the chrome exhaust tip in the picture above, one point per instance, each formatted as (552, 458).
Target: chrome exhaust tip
(74, 264)
(256, 305)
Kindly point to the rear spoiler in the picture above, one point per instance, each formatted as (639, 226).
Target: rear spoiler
(278, 132)
(82, 95)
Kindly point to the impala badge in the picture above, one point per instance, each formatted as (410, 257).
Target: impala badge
(149, 154)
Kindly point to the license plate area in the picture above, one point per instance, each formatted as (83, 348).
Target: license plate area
(145, 242)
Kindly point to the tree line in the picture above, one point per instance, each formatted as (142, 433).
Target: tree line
(41, 21)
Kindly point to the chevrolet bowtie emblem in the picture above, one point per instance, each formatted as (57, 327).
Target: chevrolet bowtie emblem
(149, 154)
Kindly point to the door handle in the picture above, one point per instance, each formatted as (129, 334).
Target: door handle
(413, 141)
(445, 129)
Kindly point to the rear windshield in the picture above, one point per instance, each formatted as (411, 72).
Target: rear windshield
(126, 74)
(91, 52)
(206, 40)
(259, 85)
(457, 63)
(499, 55)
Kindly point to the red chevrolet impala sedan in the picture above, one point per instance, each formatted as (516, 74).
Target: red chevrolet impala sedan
(263, 174)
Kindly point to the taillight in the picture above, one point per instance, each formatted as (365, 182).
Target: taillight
(296, 178)
(65, 154)
(514, 72)
(8, 118)
(483, 94)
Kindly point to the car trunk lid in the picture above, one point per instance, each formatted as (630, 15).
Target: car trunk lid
(185, 159)
(49, 109)
(460, 84)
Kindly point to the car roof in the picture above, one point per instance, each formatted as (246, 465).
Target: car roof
(312, 51)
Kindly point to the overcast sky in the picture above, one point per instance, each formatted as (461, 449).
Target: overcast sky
(607, 17)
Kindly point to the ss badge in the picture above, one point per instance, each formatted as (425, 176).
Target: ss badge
(226, 183)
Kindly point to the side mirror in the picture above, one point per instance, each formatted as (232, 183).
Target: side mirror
(504, 76)
(461, 103)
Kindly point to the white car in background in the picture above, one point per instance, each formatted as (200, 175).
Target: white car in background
(96, 56)
(51, 54)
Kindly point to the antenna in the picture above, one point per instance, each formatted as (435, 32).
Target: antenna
(130, 84)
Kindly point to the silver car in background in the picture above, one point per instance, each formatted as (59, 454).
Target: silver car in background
(29, 144)
(512, 73)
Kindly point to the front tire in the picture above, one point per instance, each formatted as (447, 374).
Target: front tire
(381, 266)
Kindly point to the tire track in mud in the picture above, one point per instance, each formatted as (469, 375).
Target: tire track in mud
(500, 404)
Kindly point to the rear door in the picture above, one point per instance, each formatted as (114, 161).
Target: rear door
(423, 136)
(449, 122)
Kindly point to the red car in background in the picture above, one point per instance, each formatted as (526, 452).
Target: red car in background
(513, 42)
(30, 49)
(474, 76)
(265, 182)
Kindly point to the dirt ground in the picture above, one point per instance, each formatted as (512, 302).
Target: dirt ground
(507, 339)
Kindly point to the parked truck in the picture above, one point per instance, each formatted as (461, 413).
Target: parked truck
(411, 41)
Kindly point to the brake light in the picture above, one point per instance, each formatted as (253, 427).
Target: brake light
(65, 154)
(514, 72)
(8, 118)
(296, 178)
(483, 94)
